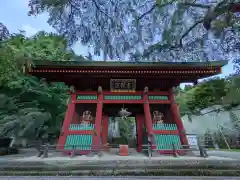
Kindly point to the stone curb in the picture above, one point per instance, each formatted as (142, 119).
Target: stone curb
(113, 165)
(135, 172)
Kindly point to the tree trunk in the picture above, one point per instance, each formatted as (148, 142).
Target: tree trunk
(38, 147)
(14, 139)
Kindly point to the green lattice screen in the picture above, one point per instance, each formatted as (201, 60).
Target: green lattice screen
(81, 142)
(87, 97)
(164, 126)
(77, 127)
(122, 97)
(158, 98)
(165, 141)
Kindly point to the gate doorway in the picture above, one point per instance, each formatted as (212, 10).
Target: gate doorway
(117, 132)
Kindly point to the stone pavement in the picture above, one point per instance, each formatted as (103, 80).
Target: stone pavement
(26, 163)
(27, 160)
(105, 162)
(228, 154)
(119, 178)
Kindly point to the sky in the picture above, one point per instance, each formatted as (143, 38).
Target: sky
(13, 14)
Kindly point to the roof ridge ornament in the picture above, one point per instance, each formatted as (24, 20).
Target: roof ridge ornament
(72, 89)
(145, 89)
(100, 90)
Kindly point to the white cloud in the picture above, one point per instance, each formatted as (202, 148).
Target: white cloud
(30, 31)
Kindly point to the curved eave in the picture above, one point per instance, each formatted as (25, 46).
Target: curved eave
(156, 72)
(182, 75)
(141, 64)
(181, 71)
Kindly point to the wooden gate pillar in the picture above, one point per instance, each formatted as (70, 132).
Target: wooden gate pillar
(96, 138)
(139, 128)
(105, 129)
(147, 114)
(66, 123)
(177, 119)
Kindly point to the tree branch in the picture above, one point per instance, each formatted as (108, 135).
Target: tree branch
(99, 9)
(153, 7)
(161, 46)
(196, 5)
(166, 4)
(218, 10)
(95, 4)
(190, 29)
(148, 12)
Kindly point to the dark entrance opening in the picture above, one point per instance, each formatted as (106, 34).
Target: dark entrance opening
(115, 131)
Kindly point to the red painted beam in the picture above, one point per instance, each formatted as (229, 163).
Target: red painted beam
(159, 93)
(137, 93)
(86, 92)
(166, 132)
(123, 101)
(159, 101)
(86, 101)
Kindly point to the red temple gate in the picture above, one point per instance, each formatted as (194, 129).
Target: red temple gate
(147, 85)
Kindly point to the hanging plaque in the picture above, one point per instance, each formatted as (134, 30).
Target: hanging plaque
(123, 85)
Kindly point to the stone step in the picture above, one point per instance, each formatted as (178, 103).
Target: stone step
(131, 151)
(156, 154)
